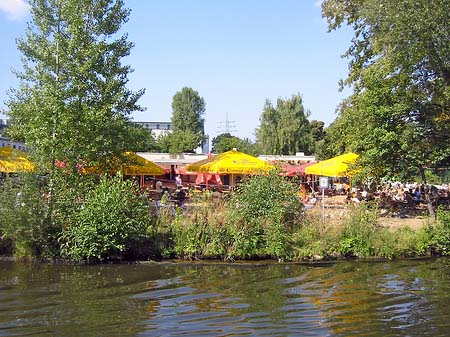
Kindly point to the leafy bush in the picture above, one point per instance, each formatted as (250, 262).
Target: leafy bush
(439, 233)
(24, 216)
(359, 231)
(314, 239)
(263, 213)
(112, 217)
(201, 233)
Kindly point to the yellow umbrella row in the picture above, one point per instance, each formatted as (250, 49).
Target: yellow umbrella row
(12, 160)
(134, 165)
(230, 162)
(333, 167)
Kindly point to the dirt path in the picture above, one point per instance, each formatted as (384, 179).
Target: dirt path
(415, 222)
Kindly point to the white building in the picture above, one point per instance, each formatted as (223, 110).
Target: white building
(15, 145)
(156, 128)
(164, 128)
(298, 158)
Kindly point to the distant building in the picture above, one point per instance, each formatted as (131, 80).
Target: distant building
(164, 128)
(156, 128)
(3, 124)
(298, 158)
(15, 145)
(5, 141)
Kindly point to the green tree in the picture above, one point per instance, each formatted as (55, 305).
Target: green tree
(142, 140)
(400, 70)
(225, 142)
(399, 67)
(284, 129)
(317, 129)
(113, 217)
(179, 142)
(72, 103)
(188, 109)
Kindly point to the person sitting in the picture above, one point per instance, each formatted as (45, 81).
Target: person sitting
(180, 197)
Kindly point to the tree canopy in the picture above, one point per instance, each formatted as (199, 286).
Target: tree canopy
(72, 103)
(225, 142)
(398, 116)
(179, 142)
(284, 128)
(188, 109)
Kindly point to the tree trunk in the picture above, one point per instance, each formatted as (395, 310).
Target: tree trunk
(428, 196)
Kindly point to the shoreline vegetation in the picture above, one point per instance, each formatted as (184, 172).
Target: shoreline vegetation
(263, 219)
(73, 110)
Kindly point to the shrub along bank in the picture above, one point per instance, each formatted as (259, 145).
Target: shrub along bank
(111, 220)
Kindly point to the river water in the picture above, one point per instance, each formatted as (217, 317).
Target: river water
(397, 298)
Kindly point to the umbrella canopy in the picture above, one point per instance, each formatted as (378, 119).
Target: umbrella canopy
(141, 166)
(333, 167)
(289, 170)
(230, 162)
(12, 160)
(182, 170)
(134, 165)
(208, 178)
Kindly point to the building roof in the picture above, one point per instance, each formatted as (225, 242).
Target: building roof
(172, 159)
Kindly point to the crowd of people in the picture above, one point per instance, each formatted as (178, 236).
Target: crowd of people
(392, 195)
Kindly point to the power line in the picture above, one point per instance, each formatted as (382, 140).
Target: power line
(226, 126)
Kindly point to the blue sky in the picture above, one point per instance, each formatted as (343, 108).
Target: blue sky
(235, 53)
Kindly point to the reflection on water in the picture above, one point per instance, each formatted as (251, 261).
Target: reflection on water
(349, 298)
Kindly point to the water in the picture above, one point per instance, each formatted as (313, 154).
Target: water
(400, 298)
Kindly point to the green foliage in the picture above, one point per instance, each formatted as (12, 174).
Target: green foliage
(314, 239)
(112, 217)
(225, 142)
(188, 109)
(202, 234)
(73, 103)
(23, 217)
(179, 142)
(359, 232)
(285, 129)
(439, 233)
(142, 140)
(263, 212)
(397, 118)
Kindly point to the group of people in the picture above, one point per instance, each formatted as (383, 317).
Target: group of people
(387, 195)
(413, 194)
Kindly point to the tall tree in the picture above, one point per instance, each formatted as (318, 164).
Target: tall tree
(397, 118)
(188, 109)
(72, 103)
(400, 70)
(284, 129)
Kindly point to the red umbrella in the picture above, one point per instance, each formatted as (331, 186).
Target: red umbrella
(207, 178)
(182, 170)
(290, 170)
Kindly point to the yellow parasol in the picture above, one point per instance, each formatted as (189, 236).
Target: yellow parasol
(141, 166)
(231, 162)
(12, 160)
(134, 165)
(333, 167)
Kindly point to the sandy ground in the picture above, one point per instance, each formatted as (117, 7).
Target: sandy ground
(336, 212)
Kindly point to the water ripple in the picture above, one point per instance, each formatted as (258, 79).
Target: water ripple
(398, 298)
